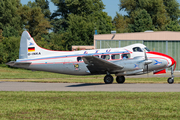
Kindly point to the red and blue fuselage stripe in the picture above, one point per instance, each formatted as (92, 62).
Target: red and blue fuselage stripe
(74, 55)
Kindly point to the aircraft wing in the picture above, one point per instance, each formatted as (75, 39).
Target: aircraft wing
(18, 64)
(98, 65)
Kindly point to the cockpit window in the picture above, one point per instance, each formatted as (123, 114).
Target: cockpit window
(147, 49)
(137, 49)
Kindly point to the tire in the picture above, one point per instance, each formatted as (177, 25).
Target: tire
(108, 79)
(170, 80)
(120, 79)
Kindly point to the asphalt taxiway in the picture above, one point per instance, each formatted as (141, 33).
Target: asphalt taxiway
(30, 86)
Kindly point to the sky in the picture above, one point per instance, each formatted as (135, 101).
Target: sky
(111, 6)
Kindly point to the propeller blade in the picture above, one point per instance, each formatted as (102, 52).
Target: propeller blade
(145, 55)
(147, 72)
(146, 60)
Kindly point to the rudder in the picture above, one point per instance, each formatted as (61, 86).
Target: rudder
(24, 45)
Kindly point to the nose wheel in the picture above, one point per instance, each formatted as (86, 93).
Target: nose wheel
(170, 80)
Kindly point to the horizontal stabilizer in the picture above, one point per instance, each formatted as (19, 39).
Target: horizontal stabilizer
(18, 64)
(98, 65)
(159, 72)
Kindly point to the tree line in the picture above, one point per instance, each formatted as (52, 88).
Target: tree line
(74, 22)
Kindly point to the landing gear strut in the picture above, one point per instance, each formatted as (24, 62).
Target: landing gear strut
(170, 80)
(120, 79)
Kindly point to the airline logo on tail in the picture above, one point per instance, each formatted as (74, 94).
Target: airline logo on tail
(31, 44)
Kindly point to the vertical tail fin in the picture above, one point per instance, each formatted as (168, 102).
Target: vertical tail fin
(29, 49)
(24, 45)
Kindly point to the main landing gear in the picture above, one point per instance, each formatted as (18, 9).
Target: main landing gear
(170, 80)
(120, 79)
(108, 79)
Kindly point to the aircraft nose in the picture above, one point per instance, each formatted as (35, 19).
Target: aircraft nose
(171, 60)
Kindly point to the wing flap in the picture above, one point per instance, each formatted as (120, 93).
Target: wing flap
(98, 65)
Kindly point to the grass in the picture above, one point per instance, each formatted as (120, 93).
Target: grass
(89, 105)
(22, 75)
(84, 105)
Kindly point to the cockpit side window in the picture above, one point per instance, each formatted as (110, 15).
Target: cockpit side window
(147, 49)
(137, 49)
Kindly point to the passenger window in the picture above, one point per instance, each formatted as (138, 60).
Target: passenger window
(137, 49)
(125, 56)
(106, 57)
(79, 59)
(115, 56)
(103, 56)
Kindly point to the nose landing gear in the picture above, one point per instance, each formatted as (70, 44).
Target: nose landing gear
(170, 80)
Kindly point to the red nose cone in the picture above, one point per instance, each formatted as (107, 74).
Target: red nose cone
(164, 55)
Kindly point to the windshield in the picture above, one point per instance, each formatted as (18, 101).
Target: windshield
(147, 49)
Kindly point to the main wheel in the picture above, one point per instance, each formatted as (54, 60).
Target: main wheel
(120, 79)
(108, 79)
(170, 80)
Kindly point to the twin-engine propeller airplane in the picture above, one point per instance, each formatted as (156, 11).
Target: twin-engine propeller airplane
(134, 59)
